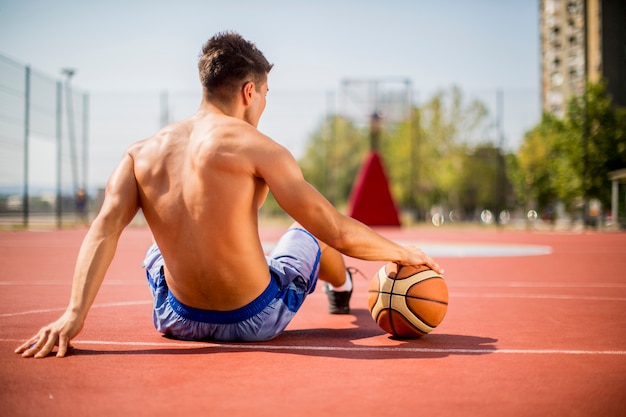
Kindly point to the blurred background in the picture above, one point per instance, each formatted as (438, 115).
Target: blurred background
(487, 112)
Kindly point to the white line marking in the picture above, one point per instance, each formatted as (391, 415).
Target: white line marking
(49, 310)
(451, 284)
(452, 296)
(142, 283)
(537, 284)
(537, 296)
(253, 346)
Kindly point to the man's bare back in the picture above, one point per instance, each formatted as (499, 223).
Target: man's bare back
(200, 195)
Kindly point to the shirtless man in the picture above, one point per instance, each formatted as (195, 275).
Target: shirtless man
(200, 183)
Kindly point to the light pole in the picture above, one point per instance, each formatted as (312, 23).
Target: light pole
(69, 73)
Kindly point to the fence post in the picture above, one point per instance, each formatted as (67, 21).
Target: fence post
(25, 207)
(59, 140)
(85, 164)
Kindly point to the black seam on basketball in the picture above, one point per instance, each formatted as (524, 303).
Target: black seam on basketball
(413, 326)
(391, 315)
(425, 299)
(389, 293)
(402, 320)
(393, 328)
(397, 274)
(422, 320)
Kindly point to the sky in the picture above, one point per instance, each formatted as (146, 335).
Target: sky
(141, 46)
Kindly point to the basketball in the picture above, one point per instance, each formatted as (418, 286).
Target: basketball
(406, 301)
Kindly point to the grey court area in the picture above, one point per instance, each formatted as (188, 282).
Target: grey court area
(467, 250)
(477, 250)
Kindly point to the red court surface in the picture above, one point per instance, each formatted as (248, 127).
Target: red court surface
(537, 335)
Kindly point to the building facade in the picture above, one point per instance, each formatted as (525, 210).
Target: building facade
(581, 40)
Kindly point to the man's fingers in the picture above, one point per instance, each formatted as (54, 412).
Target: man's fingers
(33, 347)
(435, 266)
(39, 346)
(48, 346)
(25, 346)
(63, 345)
(430, 262)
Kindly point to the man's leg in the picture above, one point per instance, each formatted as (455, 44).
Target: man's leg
(339, 280)
(332, 266)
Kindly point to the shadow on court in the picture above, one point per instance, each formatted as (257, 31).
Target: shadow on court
(365, 341)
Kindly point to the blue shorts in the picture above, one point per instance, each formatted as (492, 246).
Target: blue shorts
(294, 267)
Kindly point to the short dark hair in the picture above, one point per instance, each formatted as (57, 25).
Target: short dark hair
(227, 62)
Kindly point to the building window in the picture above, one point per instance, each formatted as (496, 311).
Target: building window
(573, 7)
(557, 79)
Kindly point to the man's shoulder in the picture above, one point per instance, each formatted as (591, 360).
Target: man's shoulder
(160, 138)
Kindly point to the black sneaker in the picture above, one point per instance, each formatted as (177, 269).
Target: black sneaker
(339, 301)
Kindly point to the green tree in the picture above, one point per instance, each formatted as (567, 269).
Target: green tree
(541, 154)
(481, 182)
(333, 158)
(428, 160)
(568, 159)
(331, 161)
(595, 141)
(424, 156)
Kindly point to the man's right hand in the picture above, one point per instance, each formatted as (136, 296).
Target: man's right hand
(417, 257)
(58, 333)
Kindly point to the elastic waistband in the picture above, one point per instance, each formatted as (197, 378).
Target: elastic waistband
(226, 317)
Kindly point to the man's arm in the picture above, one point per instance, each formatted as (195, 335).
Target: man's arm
(95, 255)
(315, 213)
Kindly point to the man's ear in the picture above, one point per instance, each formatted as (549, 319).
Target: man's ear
(248, 91)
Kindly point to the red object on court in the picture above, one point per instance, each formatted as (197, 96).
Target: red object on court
(370, 200)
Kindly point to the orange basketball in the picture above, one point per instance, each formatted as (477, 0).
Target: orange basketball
(407, 301)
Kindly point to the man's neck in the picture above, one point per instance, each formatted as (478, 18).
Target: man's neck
(231, 109)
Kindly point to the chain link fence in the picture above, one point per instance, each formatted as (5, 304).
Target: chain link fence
(43, 145)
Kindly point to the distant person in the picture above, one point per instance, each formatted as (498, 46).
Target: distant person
(81, 205)
(200, 183)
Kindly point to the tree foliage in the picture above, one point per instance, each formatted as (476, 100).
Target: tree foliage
(450, 125)
(483, 182)
(423, 155)
(333, 157)
(444, 156)
(428, 152)
(565, 160)
(596, 140)
(541, 154)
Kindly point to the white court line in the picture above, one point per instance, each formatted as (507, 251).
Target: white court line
(365, 349)
(452, 296)
(520, 284)
(537, 296)
(68, 283)
(49, 310)
(451, 284)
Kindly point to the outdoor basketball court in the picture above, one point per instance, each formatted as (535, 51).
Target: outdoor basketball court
(536, 326)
